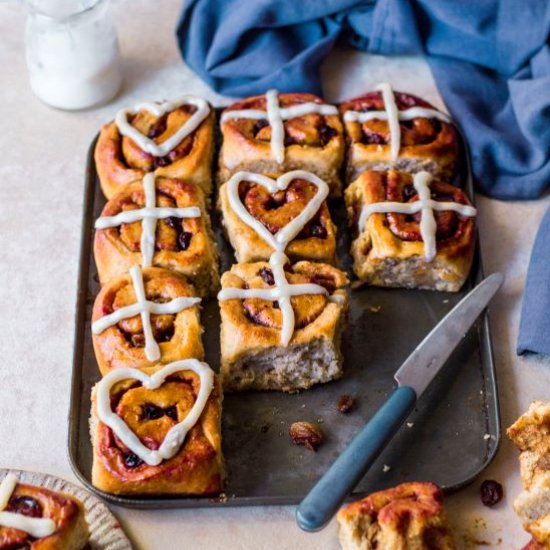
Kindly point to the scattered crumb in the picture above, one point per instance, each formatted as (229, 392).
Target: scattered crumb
(355, 285)
(320, 421)
(375, 309)
(386, 468)
(446, 301)
(304, 406)
(410, 424)
(487, 436)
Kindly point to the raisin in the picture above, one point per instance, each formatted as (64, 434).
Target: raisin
(326, 133)
(172, 412)
(174, 222)
(317, 230)
(491, 492)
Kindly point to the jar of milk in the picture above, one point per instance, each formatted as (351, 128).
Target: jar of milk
(72, 52)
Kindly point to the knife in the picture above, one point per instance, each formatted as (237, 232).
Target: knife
(412, 378)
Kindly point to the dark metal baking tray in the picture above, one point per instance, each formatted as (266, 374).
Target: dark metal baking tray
(450, 438)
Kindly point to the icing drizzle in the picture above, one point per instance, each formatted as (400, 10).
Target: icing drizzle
(281, 292)
(425, 205)
(35, 527)
(159, 109)
(276, 115)
(393, 115)
(282, 238)
(177, 434)
(144, 308)
(148, 216)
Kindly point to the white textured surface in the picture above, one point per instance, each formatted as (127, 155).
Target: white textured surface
(42, 163)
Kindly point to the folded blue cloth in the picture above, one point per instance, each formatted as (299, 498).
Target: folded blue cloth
(490, 59)
(534, 329)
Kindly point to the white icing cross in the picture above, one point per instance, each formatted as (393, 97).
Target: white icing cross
(281, 292)
(393, 115)
(176, 434)
(425, 205)
(144, 308)
(35, 527)
(159, 109)
(275, 115)
(148, 216)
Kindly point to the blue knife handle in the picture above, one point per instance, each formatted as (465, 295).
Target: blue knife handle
(318, 507)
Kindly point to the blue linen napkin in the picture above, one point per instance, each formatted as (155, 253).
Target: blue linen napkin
(490, 59)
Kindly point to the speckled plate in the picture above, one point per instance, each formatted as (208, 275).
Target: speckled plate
(105, 530)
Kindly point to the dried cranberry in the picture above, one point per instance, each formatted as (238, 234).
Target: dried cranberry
(345, 403)
(184, 240)
(151, 412)
(132, 461)
(174, 222)
(172, 412)
(27, 506)
(157, 129)
(319, 231)
(267, 276)
(326, 133)
(491, 492)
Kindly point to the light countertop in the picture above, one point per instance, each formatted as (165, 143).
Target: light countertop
(42, 164)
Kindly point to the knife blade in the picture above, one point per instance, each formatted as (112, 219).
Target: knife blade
(413, 377)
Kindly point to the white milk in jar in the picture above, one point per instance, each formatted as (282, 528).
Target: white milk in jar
(72, 52)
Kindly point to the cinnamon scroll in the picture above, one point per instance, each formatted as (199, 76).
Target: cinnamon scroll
(172, 139)
(274, 133)
(410, 231)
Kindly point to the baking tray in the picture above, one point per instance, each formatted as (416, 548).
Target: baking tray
(452, 435)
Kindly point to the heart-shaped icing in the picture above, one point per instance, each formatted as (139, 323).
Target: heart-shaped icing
(177, 434)
(159, 109)
(280, 240)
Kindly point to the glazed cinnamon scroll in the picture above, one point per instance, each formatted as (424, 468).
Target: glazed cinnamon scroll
(195, 467)
(254, 353)
(310, 140)
(182, 241)
(59, 524)
(120, 160)
(275, 209)
(393, 247)
(427, 138)
(123, 342)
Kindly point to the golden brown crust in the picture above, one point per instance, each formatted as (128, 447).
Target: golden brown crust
(409, 516)
(313, 142)
(425, 143)
(197, 469)
(67, 513)
(184, 245)
(120, 161)
(390, 252)
(179, 335)
(316, 242)
(252, 327)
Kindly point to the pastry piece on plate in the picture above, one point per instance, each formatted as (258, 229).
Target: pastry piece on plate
(274, 133)
(410, 230)
(531, 434)
(157, 432)
(157, 222)
(261, 215)
(174, 139)
(38, 518)
(408, 517)
(392, 130)
(281, 324)
(146, 316)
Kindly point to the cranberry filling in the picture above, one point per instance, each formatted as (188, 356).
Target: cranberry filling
(158, 128)
(25, 505)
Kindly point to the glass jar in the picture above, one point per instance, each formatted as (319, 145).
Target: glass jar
(72, 52)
